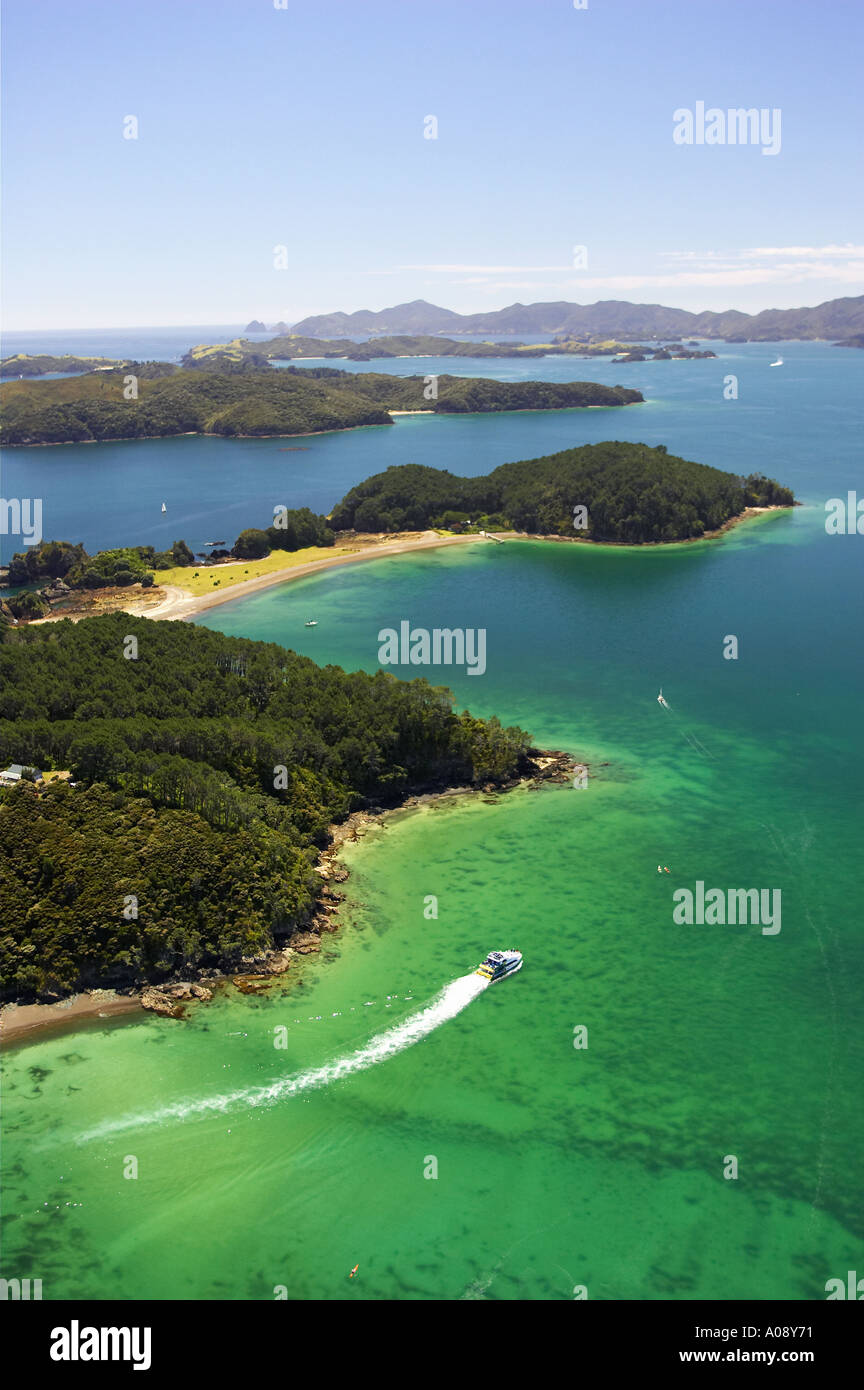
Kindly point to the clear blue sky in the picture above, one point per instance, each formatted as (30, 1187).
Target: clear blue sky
(303, 127)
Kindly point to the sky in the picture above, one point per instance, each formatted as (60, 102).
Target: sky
(303, 124)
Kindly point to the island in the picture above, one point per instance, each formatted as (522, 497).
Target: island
(247, 399)
(24, 364)
(613, 492)
(175, 831)
(295, 347)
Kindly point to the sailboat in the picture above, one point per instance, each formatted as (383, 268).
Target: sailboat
(778, 363)
(164, 508)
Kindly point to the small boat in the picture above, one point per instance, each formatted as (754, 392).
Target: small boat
(311, 623)
(164, 508)
(214, 542)
(778, 363)
(661, 699)
(499, 964)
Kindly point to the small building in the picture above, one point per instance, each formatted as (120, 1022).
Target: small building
(18, 772)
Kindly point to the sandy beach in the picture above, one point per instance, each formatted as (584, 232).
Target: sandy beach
(18, 1020)
(177, 603)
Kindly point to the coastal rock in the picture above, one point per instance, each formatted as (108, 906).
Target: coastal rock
(305, 943)
(555, 766)
(279, 962)
(252, 984)
(162, 1004)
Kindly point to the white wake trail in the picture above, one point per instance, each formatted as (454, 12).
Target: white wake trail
(451, 1001)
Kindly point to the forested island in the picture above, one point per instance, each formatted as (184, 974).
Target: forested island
(294, 346)
(247, 400)
(207, 772)
(630, 493)
(24, 364)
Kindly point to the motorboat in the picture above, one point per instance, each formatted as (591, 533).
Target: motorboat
(499, 964)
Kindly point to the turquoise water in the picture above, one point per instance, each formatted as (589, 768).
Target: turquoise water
(556, 1166)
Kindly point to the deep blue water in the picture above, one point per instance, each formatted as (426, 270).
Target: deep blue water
(797, 423)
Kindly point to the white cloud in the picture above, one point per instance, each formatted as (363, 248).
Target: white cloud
(813, 252)
(490, 269)
(752, 266)
(792, 274)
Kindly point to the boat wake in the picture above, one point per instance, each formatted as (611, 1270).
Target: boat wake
(688, 737)
(451, 1001)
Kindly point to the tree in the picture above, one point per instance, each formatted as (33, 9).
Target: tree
(251, 544)
(181, 554)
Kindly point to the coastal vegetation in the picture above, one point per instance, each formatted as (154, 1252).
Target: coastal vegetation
(249, 400)
(61, 560)
(207, 771)
(629, 492)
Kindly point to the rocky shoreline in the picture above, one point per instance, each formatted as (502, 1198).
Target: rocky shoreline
(257, 974)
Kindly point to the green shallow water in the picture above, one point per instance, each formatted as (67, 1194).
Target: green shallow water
(556, 1166)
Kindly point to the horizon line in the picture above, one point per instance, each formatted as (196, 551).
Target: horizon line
(479, 313)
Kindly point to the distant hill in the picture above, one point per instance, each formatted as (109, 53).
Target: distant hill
(417, 317)
(611, 318)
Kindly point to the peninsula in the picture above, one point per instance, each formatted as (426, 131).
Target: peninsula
(230, 760)
(247, 400)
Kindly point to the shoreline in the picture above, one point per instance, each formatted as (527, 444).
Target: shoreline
(254, 975)
(312, 434)
(179, 605)
(18, 1021)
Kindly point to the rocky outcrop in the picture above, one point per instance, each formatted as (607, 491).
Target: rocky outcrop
(168, 1000)
(161, 1003)
(305, 943)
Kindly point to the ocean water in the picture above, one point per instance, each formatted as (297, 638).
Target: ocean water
(111, 494)
(473, 1151)
(144, 344)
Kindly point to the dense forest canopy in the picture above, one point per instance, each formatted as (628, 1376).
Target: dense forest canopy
(250, 399)
(208, 769)
(631, 493)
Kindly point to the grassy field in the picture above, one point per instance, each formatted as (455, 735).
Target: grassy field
(197, 581)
